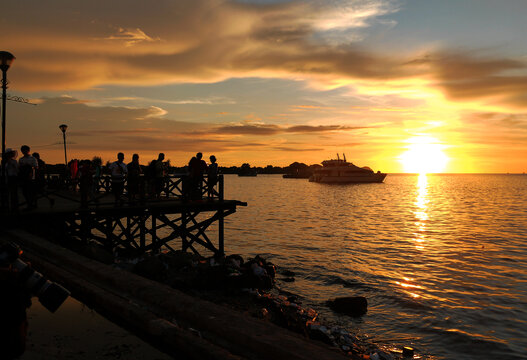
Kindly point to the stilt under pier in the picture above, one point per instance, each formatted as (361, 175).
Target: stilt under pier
(171, 222)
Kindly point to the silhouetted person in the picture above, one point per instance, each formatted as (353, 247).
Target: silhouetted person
(86, 172)
(212, 176)
(27, 166)
(74, 169)
(40, 174)
(97, 172)
(118, 170)
(196, 167)
(11, 169)
(40, 179)
(156, 176)
(134, 178)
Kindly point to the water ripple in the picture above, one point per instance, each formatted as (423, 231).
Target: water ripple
(442, 259)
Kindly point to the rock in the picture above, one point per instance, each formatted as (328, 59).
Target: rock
(350, 305)
(234, 259)
(385, 356)
(287, 273)
(263, 313)
(178, 259)
(408, 351)
(320, 333)
(271, 270)
(294, 299)
(258, 270)
(151, 268)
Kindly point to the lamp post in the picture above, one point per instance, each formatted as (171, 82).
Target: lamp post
(6, 58)
(63, 128)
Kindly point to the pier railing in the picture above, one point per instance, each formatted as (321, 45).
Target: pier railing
(173, 185)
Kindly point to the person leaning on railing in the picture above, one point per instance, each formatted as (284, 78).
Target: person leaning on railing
(212, 176)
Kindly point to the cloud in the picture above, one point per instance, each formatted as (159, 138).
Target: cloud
(286, 148)
(271, 129)
(503, 121)
(469, 76)
(125, 42)
(201, 40)
(131, 36)
(105, 130)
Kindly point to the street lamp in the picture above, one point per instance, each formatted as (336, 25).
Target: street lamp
(63, 128)
(6, 58)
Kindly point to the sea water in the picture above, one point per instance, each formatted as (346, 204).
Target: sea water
(442, 259)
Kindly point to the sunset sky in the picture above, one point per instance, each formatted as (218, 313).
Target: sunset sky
(437, 86)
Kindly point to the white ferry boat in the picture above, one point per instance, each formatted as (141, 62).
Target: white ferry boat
(342, 172)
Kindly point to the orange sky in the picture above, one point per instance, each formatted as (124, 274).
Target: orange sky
(396, 85)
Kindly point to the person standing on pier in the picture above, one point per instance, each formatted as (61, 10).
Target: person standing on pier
(156, 176)
(212, 176)
(134, 178)
(97, 171)
(74, 173)
(159, 174)
(40, 174)
(40, 179)
(86, 172)
(27, 166)
(118, 170)
(196, 166)
(11, 168)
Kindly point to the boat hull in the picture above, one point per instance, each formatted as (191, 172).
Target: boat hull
(356, 179)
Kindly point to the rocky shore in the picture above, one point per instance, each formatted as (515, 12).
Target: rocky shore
(250, 286)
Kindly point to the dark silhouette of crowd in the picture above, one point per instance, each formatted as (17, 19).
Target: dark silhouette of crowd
(28, 176)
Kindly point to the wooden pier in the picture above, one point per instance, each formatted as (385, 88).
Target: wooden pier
(174, 221)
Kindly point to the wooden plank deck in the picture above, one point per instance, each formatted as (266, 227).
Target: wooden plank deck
(68, 202)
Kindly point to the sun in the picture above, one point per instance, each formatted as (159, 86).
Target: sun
(424, 155)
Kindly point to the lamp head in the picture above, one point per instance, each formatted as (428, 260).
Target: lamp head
(6, 58)
(63, 127)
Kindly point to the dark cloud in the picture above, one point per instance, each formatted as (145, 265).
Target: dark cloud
(115, 132)
(321, 128)
(286, 148)
(468, 76)
(248, 129)
(269, 129)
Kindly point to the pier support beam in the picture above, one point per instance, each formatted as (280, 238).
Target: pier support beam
(146, 229)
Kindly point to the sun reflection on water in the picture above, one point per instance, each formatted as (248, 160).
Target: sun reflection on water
(421, 211)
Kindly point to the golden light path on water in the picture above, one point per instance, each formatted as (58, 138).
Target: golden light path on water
(421, 216)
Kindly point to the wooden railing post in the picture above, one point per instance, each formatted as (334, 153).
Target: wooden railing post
(220, 186)
(221, 220)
